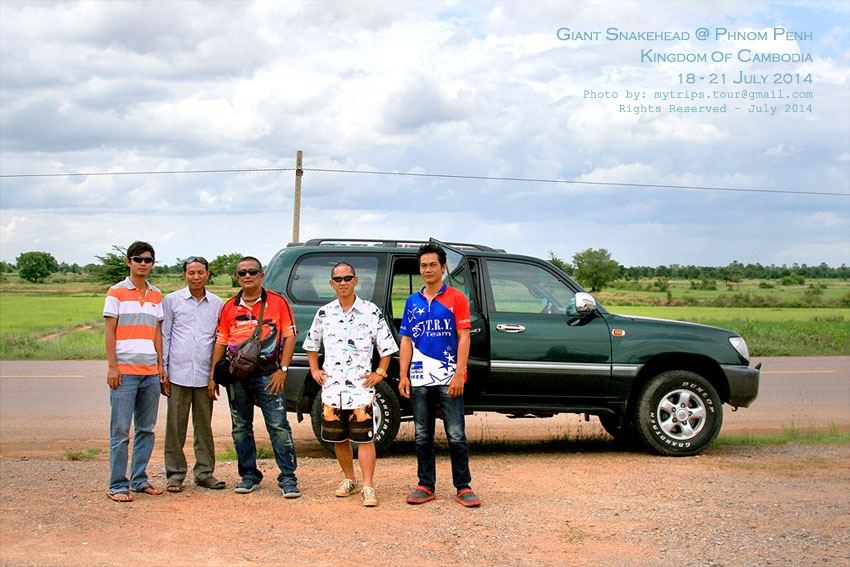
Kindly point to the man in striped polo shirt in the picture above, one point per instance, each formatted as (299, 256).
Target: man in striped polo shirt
(133, 315)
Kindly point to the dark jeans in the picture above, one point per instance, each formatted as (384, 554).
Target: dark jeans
(426, 400)
(243, 396)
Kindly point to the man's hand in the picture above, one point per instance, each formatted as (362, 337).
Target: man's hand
(164, 384)
(113, 377)
(276, 381)
(319, 376)
(369, 380)
(456, 385)
(212, 389)
(404, 386)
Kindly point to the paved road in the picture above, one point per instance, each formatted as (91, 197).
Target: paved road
(47, 407)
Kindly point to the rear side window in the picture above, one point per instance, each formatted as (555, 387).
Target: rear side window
(309, 280)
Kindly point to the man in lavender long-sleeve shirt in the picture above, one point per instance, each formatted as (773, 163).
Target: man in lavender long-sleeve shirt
(188, 334)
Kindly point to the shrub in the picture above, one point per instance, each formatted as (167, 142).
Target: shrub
(793, 279)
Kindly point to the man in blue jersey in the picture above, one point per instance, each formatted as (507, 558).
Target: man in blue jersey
(432, 371)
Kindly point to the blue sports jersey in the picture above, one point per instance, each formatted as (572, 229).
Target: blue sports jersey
(433, 330)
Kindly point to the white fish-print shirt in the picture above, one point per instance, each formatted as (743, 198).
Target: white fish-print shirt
(348, 339)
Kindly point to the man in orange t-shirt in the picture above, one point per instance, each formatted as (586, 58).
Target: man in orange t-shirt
(239, 317)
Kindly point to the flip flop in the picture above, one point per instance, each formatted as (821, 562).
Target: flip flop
(120, 496)
(150, 489)
(174, 488)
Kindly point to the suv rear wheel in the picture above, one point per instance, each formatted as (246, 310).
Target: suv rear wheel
(387, 415)
(678, 413)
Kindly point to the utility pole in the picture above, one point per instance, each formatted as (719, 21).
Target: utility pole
(296, 205)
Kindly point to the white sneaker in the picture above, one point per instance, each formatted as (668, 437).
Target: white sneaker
(346, 488)
(369, 498)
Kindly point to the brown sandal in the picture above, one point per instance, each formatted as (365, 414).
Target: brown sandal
(120, 496)
(174, 488)
(150, 489)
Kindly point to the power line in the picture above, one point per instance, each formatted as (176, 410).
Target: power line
(438, 176)
(167, 172)
(569, 182)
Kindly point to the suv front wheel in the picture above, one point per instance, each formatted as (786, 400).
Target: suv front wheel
(386, 412)
(678, 413)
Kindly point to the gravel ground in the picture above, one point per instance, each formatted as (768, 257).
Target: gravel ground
(585, 504)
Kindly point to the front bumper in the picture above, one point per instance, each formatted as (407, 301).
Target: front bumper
(743, 384)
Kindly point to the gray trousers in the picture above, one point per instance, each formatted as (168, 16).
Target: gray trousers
(182, 398)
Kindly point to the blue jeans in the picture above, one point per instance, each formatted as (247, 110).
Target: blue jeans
(243, 396)
(426, 400)
(136, 399)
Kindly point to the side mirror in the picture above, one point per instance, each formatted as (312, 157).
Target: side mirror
(585, 303)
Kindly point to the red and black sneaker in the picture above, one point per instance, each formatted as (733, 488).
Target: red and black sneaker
(420, 495)
(468, 498)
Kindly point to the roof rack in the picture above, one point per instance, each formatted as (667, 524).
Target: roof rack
(388, 243)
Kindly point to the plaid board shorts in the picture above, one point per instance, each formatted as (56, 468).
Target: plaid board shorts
(341, 425)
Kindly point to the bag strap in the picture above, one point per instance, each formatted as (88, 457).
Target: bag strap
(259, 328)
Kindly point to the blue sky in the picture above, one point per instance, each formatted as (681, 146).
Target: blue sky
(461, 88)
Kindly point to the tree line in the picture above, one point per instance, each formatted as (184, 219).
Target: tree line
(37, 266)
(593, 267)
(596, 268)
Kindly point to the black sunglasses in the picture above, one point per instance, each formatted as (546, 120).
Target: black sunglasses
(339, 279)
(142, 259)
(243, 273)
(199, 259)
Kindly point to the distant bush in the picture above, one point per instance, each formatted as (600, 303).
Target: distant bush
(793, 279)
(813, 294)
(704, 284)
(765, 285)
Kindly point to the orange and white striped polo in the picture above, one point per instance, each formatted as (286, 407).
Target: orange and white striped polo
(138, 311)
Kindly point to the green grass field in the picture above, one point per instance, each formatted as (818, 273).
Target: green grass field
(21, 313)
(700, 314)
(768, 332)
(813, 293)
(49, 321)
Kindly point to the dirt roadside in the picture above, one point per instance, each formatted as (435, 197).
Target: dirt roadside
(587, 501)
(579, 503)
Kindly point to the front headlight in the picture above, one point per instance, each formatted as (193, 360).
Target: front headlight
(741, 346)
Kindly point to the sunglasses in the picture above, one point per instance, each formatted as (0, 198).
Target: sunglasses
(243, 273)
(142, 259)
(339, 279)
(193, 259)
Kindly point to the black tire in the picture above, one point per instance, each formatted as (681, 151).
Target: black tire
(678, 413)
(387, 413)
(622, 429)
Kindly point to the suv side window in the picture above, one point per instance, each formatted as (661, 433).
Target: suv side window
(309, 280)
(406, 280)
(525, 288)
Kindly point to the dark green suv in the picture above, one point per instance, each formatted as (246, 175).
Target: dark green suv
(541, 345)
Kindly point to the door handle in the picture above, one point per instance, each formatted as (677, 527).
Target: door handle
(504, 328)
(475, 331)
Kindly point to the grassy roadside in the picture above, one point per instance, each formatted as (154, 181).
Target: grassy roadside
(593, 441)
(789, 434)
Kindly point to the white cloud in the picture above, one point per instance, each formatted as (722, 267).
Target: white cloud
(452, 87)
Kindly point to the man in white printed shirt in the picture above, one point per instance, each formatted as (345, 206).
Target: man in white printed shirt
(349, 327)
(188, 334)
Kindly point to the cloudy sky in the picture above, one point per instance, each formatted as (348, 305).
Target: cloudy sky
(484, 89)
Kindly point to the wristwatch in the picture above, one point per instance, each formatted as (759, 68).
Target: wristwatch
(381, 372)
(284, 368)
